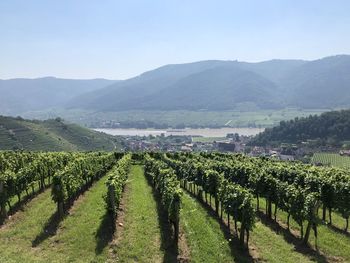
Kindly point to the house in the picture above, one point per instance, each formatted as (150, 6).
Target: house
(226, 146)
(285, 157)
(185, 148)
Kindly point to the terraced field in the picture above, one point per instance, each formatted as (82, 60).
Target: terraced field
(331, 159)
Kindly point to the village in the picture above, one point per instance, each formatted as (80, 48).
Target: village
(233, 143)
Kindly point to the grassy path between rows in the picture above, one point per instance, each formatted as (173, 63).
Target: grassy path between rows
(266, 245)
(35, 234)
(143, 237)
(17, 235)
(84, 235)
(206, 239)
(273, 247)
(333, 246)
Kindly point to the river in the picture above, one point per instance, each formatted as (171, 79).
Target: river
(220, 132)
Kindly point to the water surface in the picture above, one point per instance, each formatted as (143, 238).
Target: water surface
(220, 132)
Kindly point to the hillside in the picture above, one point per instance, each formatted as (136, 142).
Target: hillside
(126, 94)
(21, 95)
(205, 85)
(211, 85)
(213, 89)
(51, 135)
(328, 128)
(323, 83)
(225, 85)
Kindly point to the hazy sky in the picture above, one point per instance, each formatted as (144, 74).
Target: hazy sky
(119, 39)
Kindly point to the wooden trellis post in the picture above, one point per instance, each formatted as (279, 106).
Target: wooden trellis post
(3, 211)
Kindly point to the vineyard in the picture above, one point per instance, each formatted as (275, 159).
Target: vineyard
(174, 207)
(331, 159)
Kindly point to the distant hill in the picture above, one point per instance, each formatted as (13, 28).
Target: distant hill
(323, 83)
(21, 95)
(225, 85)
(126, 94)
(328, 128)
(217, 88)
(51, 135)
(211, 85)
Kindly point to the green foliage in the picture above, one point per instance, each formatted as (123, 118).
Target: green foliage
(68, 183)
(235, 200)
(238, 202)
(184, 118)
(51, 135)
(329, 128)
(117, 177)
(20, 171)
(295, 188)
(165, 181)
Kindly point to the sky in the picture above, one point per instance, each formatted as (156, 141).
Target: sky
(121, 39)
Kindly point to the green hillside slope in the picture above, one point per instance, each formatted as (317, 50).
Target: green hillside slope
(331, 128)
(51, 135)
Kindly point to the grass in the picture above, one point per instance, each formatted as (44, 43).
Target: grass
(272, 242)
(25, 198)
(242, 117)
(266, 245)
(333, 244)
(337, 220)
(84, 235)
(141, 239)
(35, 234)
(17, 235)
(206, 240)
(272, 246)
(331, 159)
(207, 139)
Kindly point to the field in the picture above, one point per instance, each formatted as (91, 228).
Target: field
(178, 119)
(207, 139)
(331, 159)
(123, 208)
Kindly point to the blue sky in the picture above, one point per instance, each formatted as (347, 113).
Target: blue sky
(121, 39)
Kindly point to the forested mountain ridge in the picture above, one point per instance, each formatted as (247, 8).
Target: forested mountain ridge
(51, 135)
(21, 95)
(323, 83)
(216, 88)
(224, 85)
(211, 85)
(328, 128)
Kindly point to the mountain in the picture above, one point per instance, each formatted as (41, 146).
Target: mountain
(21, 95)
(323, 83)
(122, 95)
(51, 135)
(211, 85)
(328, 128)
(213, 89)
(275, 70)
(225, 85)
